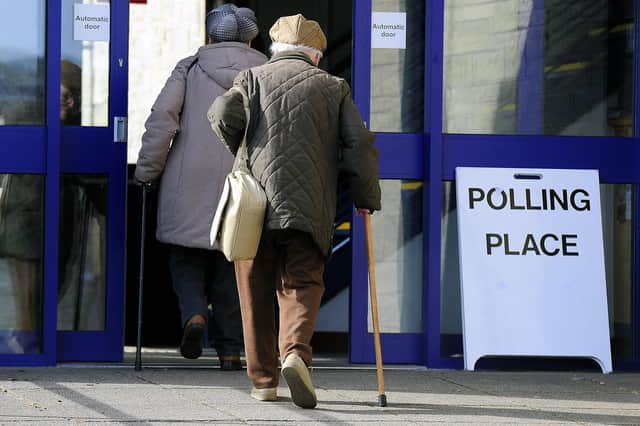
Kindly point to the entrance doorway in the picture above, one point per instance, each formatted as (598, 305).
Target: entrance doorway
(161, 320)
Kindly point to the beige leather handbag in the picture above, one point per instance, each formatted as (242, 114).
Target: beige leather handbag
(237, 223)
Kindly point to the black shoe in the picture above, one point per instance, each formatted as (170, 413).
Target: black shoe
(230, 365)
(192, 341)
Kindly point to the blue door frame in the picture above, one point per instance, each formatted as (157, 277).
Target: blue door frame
(433, 156)
(38, 149)
(92, 150)
(401, 156)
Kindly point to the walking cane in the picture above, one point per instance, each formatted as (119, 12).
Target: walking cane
(146, 187)
(382, 398)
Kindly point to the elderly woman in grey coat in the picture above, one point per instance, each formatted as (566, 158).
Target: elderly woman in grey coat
(179, 149)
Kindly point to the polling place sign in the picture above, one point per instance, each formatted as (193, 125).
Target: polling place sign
(532, 264)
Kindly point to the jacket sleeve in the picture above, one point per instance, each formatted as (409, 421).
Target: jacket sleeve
(227, 116)
(359, 155)
(163, 124)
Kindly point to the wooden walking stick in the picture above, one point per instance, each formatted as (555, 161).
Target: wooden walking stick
(382, 398)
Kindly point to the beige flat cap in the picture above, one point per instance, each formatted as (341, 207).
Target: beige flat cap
(298, 30)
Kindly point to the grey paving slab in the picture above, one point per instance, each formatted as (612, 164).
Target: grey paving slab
(178, 395)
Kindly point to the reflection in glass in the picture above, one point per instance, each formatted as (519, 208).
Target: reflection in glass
(21, 247)
(450, 306)
(83, 245)
(618, 222)
(70, 93)
(22, 62)
(397, 236)
(84, 83)
(397, 75)
(547, 67)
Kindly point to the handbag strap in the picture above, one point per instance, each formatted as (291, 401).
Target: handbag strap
(242, 157)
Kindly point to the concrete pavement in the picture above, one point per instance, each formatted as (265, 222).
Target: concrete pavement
(200, 394)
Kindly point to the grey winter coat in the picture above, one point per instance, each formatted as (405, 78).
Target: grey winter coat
(179, 147)
(304, 126)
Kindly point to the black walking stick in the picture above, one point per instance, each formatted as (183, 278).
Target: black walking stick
(382, 398)
(146, 188)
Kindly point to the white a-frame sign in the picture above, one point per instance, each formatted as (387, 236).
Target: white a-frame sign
(532, 264)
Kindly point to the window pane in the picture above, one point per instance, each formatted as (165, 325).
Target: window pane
(21, 281)
(83, 247)
(84, 74)
(618, 222)
(450, 307)
(547, 67)
(397, 75)
(397, 236)
(22, 62)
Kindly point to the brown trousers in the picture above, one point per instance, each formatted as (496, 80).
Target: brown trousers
(288, 265)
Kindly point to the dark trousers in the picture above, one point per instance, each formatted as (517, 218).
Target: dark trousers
(288, 265)
(202, 277)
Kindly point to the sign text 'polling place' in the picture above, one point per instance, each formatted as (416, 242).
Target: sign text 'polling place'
(532, 264)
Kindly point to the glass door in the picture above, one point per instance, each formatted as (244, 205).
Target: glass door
(536, 84)
(388, 85)
(93, 108)
(29, 164)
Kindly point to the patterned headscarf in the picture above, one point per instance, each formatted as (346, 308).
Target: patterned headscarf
(231, 23)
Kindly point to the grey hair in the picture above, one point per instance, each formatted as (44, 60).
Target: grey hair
(286, 47)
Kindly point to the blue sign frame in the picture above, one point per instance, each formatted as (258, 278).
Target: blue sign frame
(433, 157)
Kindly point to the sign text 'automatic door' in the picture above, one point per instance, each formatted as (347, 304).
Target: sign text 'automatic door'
(532, 264)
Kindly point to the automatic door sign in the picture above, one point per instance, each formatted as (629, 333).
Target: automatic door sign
(388, 30)
(91, 22)
(532, 264)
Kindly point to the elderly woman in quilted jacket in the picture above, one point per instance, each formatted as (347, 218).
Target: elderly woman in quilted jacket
(303, 128)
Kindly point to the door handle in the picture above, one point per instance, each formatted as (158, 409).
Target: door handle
(120, 129)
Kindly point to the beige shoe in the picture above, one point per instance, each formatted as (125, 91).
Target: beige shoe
(265, 394)
(296, 374)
